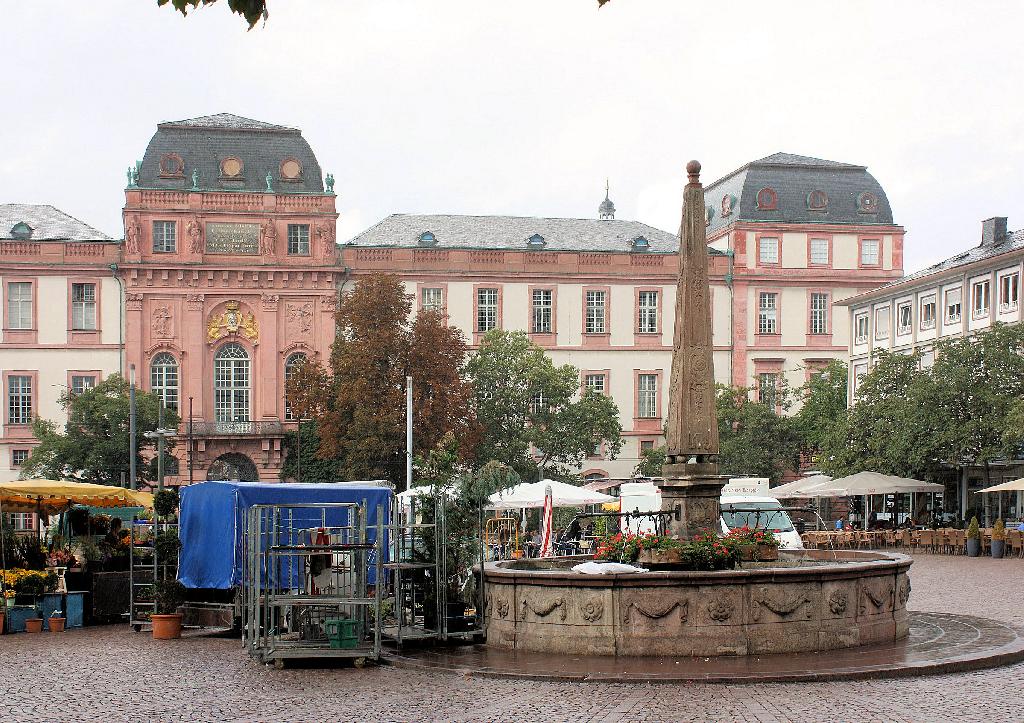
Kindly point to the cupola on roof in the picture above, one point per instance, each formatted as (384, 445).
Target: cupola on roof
(788, 188)
(227, 152)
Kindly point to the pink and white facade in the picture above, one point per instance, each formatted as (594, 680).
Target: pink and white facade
(61, 326)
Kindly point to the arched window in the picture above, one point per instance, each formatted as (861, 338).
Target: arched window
(291, 365)
(231, 384)
(163, 379)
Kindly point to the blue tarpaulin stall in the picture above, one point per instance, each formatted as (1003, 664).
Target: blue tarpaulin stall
(212, 522)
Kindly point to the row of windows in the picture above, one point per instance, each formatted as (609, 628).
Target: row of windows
(1009, 298)
(165, 238)
(818, 253)
(768, 313)
(20, 304)
(646, 393)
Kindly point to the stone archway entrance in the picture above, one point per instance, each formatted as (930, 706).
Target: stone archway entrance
(233, 467)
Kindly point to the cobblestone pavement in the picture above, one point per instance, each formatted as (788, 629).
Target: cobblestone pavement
(112, 674)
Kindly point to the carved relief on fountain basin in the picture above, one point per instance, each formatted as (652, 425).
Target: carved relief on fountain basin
(807, 602)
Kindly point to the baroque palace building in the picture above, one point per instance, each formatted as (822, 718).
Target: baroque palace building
(788, 236)
(231, 279)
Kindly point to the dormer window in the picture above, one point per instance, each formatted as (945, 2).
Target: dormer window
(641, 244)
(21, 231)
(427, 239)
(536, 241)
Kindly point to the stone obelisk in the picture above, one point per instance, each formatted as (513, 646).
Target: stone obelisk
(692, 486)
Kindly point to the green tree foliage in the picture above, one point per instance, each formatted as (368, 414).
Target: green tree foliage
(824, 401)
(524, 402)
(358, 401)
(754, 439)
(94, 445)
(251, 10)
(314, 467)
(651, 462)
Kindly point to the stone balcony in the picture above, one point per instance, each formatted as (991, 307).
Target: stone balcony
(265, 428)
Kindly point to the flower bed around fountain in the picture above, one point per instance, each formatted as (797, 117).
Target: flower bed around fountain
(806, 601)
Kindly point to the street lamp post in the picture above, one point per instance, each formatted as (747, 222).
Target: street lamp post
(191, 443)
(132, 442)
(298, 449)
(160, 434)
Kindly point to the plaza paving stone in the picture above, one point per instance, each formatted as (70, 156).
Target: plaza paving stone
(112, 674)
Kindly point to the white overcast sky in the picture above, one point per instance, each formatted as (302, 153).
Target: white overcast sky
(524, 107)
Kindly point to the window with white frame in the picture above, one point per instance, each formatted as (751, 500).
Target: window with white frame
(83, 306)
(597, 305)
(819, 313)
(19, 305)
(163, 379)
(647, 396)
(882, 323)
(928, 312)
(486, 309)
(298, 239)
(231, 384)
(768, 250)
(165, 237)
(768, 388)
(647, 312)
(81, 383)
(542, 307)
(869, 249)
(432, 298)
(19, 457)
(538, 403)
(860, 325)
(953, 305)
(291, 365)
(767, 312)
(19, 399)
(904, 318)
(980, 296)
(927, 358)
(595, 383)
(859, 372)
(1009, 291)
(20, 521)
(819, 251)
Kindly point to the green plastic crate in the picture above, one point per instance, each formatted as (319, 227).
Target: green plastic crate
(341, 633)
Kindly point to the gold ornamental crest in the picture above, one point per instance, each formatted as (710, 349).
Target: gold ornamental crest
(232, 321)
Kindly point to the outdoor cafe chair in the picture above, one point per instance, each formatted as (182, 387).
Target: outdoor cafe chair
(926, 540)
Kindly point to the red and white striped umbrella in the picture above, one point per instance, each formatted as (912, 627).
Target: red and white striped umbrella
(546, 546)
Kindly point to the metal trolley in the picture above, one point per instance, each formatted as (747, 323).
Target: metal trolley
(307, 591)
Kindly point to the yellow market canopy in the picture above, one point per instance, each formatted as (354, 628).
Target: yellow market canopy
(1015, 485)
(53, 495)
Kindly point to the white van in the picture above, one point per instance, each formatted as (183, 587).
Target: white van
(737, 509)
(765, 513)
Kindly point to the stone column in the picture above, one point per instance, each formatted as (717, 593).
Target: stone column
(692, 486)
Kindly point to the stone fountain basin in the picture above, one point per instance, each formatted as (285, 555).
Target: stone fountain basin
(810, 600)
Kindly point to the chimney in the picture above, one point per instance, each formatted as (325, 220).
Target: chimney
(993, 230)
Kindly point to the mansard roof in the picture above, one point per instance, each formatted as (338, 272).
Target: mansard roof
(203, 144)
(795, 183)
(46, 223)
(513, 233)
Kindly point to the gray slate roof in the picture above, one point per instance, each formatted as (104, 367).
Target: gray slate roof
(1012, 242)
(793, 177)
(204, 142)
(512, 232)
(48, 223)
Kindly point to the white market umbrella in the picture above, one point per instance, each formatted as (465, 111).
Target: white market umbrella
(1016, 485)
(546, 519)
(873, 483)
(532, 495)
(806, 484)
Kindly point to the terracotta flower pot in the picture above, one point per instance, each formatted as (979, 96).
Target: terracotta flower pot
(166, 627)
(766, 553)
(660, 557)
(57, 625)
(34, 625)
(3, 618)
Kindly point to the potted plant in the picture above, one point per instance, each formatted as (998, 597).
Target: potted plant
(658, 550)
(34, 625)
(56, 621)
(167, 620)
(973, 538)
(998, 539)
(753, 545)
(165, 502)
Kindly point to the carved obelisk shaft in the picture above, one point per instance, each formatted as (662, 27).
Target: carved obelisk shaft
(692, 426)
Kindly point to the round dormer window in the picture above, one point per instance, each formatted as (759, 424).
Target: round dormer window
(231, 167)
(172, 166)
(867, 202)
(817, 200)
(767, 199)
(291, 170)
(427, 239)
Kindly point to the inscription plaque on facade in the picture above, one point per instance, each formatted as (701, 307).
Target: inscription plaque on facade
(233, 238)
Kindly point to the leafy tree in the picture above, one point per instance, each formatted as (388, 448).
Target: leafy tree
(251, 10)
(824, 399)
(314, 467)
(526, 404)
(94, 445)
(651, 462)
(753, 438)
(358, 401)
